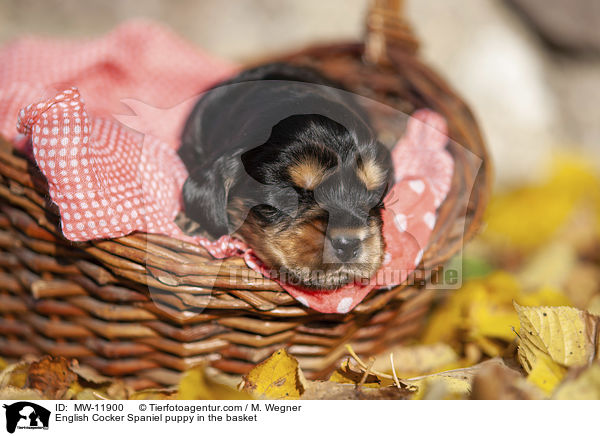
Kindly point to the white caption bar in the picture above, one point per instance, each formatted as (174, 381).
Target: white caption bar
(295, 417)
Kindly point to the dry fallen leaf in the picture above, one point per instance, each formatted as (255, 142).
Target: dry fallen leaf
(566, 334)
(14, 375)
(278, 377)
(328, 390)
(585, 386)
(546, 373)
(452, 384)
(196, 385)
(414, 360)
(482, 313)
(442, 387)
(51, 376)
(13, 393)
(91, 385)
(55, 378)
(345, 374)
(89, 376)
(499, 382)
(553, 339)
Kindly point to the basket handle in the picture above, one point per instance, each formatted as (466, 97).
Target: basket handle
(387, 29)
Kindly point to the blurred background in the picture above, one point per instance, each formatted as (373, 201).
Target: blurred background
(529, 68)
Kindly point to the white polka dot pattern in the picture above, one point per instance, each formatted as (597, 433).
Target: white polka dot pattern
(106, 180)
(421, 153)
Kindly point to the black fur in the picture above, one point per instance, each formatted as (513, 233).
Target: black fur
(242, 136)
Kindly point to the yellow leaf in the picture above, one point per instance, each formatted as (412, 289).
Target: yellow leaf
(527, 217)
(482, 312)
(546, 373)
(585, 387)
(15, 375)
(74, 391)
(493, 321)
(441, 387)
(489, 346)
(545, 296)
(453, 384)
(502, 287)
(346, 375)
(442, 325)
(553, 339)
(448, 319)
(563, 333)
(196, 385)
(278, 377)
(530, 216)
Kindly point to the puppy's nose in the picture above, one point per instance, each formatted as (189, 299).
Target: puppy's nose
(345, 248)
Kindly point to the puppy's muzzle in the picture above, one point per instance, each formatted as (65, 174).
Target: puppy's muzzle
(344, 245)
(346, 248)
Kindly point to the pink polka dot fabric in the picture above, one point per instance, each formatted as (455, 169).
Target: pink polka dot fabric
(106, 181)
(109, 180)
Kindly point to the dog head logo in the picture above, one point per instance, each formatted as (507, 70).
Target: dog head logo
(26, 415)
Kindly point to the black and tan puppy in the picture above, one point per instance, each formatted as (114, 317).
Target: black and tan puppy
(288, 163)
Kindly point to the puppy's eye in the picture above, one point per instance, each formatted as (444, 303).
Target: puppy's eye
(267, 212)
(382, 194)
(376, 210)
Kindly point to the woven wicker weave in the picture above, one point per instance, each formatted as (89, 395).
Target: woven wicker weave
(146, 307)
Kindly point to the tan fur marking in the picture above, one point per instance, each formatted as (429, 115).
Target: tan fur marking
(307, 174)
(370, 174)
(357, 233)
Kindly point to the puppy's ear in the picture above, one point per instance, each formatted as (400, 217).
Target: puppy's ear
(206, 192)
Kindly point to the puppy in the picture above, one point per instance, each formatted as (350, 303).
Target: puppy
(281, 158)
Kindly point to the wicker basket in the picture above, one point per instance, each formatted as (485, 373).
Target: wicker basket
(142, 307)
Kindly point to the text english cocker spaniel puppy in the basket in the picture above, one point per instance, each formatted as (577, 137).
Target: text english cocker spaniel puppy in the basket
(282, 159)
